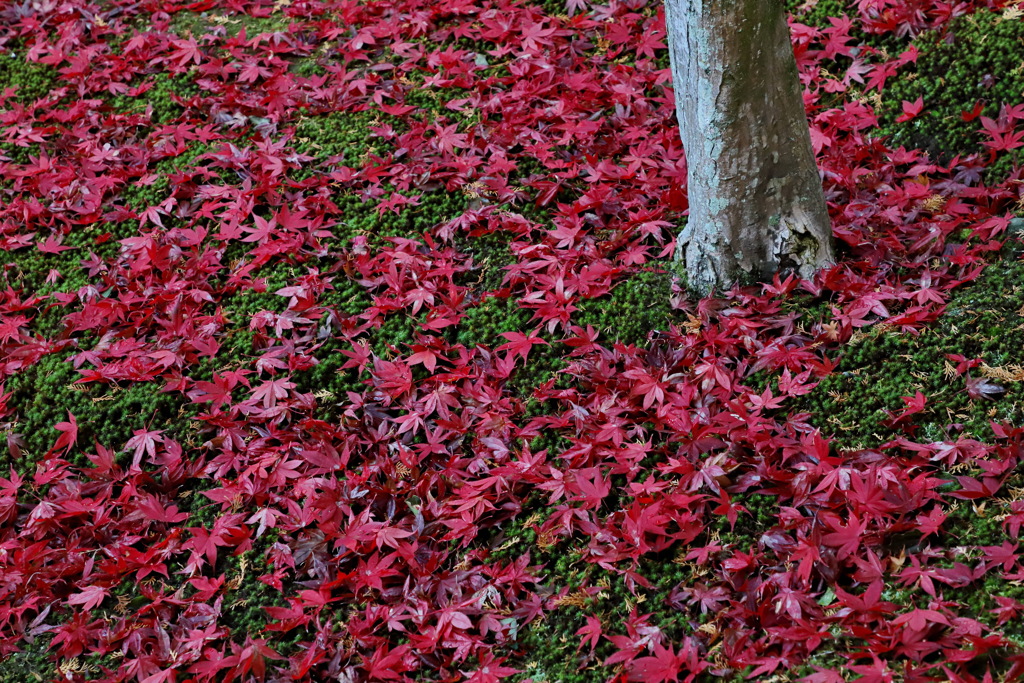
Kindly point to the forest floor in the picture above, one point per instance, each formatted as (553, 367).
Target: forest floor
(343, 341)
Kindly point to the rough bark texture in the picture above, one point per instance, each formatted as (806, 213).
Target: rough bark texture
(756, 203)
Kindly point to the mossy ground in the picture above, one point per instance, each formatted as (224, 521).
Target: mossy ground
(984, 320)
(31, 665)
(164, 99)
(186, 23)
(45, 392)
(549, 649)
(817, 12)
(877, 369)
(31, 81)
(977, 59)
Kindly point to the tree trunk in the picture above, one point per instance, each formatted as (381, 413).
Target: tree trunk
(756, 203)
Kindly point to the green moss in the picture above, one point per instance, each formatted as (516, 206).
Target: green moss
(42, 395)
(434, 208)
(98, 667)
(307, 67)
(17, 154)
(165, 97)
(968, 527)
(810, 308)
(246, 602)
(485, 322)
(342, 137)
(240, 305)
(198, 24)
(32, 80)
(971, 527)
(552, 8)
(238, 343)
(830, 656)
(636, 307)
(981, 601)
(484, 325)
(490, 254)
(633, 309)
(762, 514)
(879, 368)
(817, 12)
(32, 664)
(202, 512)
(28, 270)
(548, 649)
(328, 381)
(346, 298)
(979, 58)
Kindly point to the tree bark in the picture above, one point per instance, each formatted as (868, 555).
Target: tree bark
(756, 203)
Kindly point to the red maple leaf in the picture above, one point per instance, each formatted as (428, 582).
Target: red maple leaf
(592, 632)
(272, 390)
(144, 441)
(979, 388)
(89, 597)
(911, 110)
(69, 434)
(520, 344)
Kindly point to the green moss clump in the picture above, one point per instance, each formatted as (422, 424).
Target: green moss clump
(636, 307)
(307, 67)
(245, 605)
(42, 395)
(762, 514)
(346, 298)
(877, 369)
(196, 24)
(240, 305)
(980, 602)
(817, 13)
(978, 58)
(327, 380)
(31, 665)
(969, 528)
(343, 137)
(628, 314)
(28, 269)
(434, 208)
(484, 325)
(485, 322)
(32, 80)
(548, 649)
(490, 254)
(552, 8)
(16, 154)
(161, 97)
(359, 216)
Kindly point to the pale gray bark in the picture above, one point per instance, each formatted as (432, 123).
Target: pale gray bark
(756, 203)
